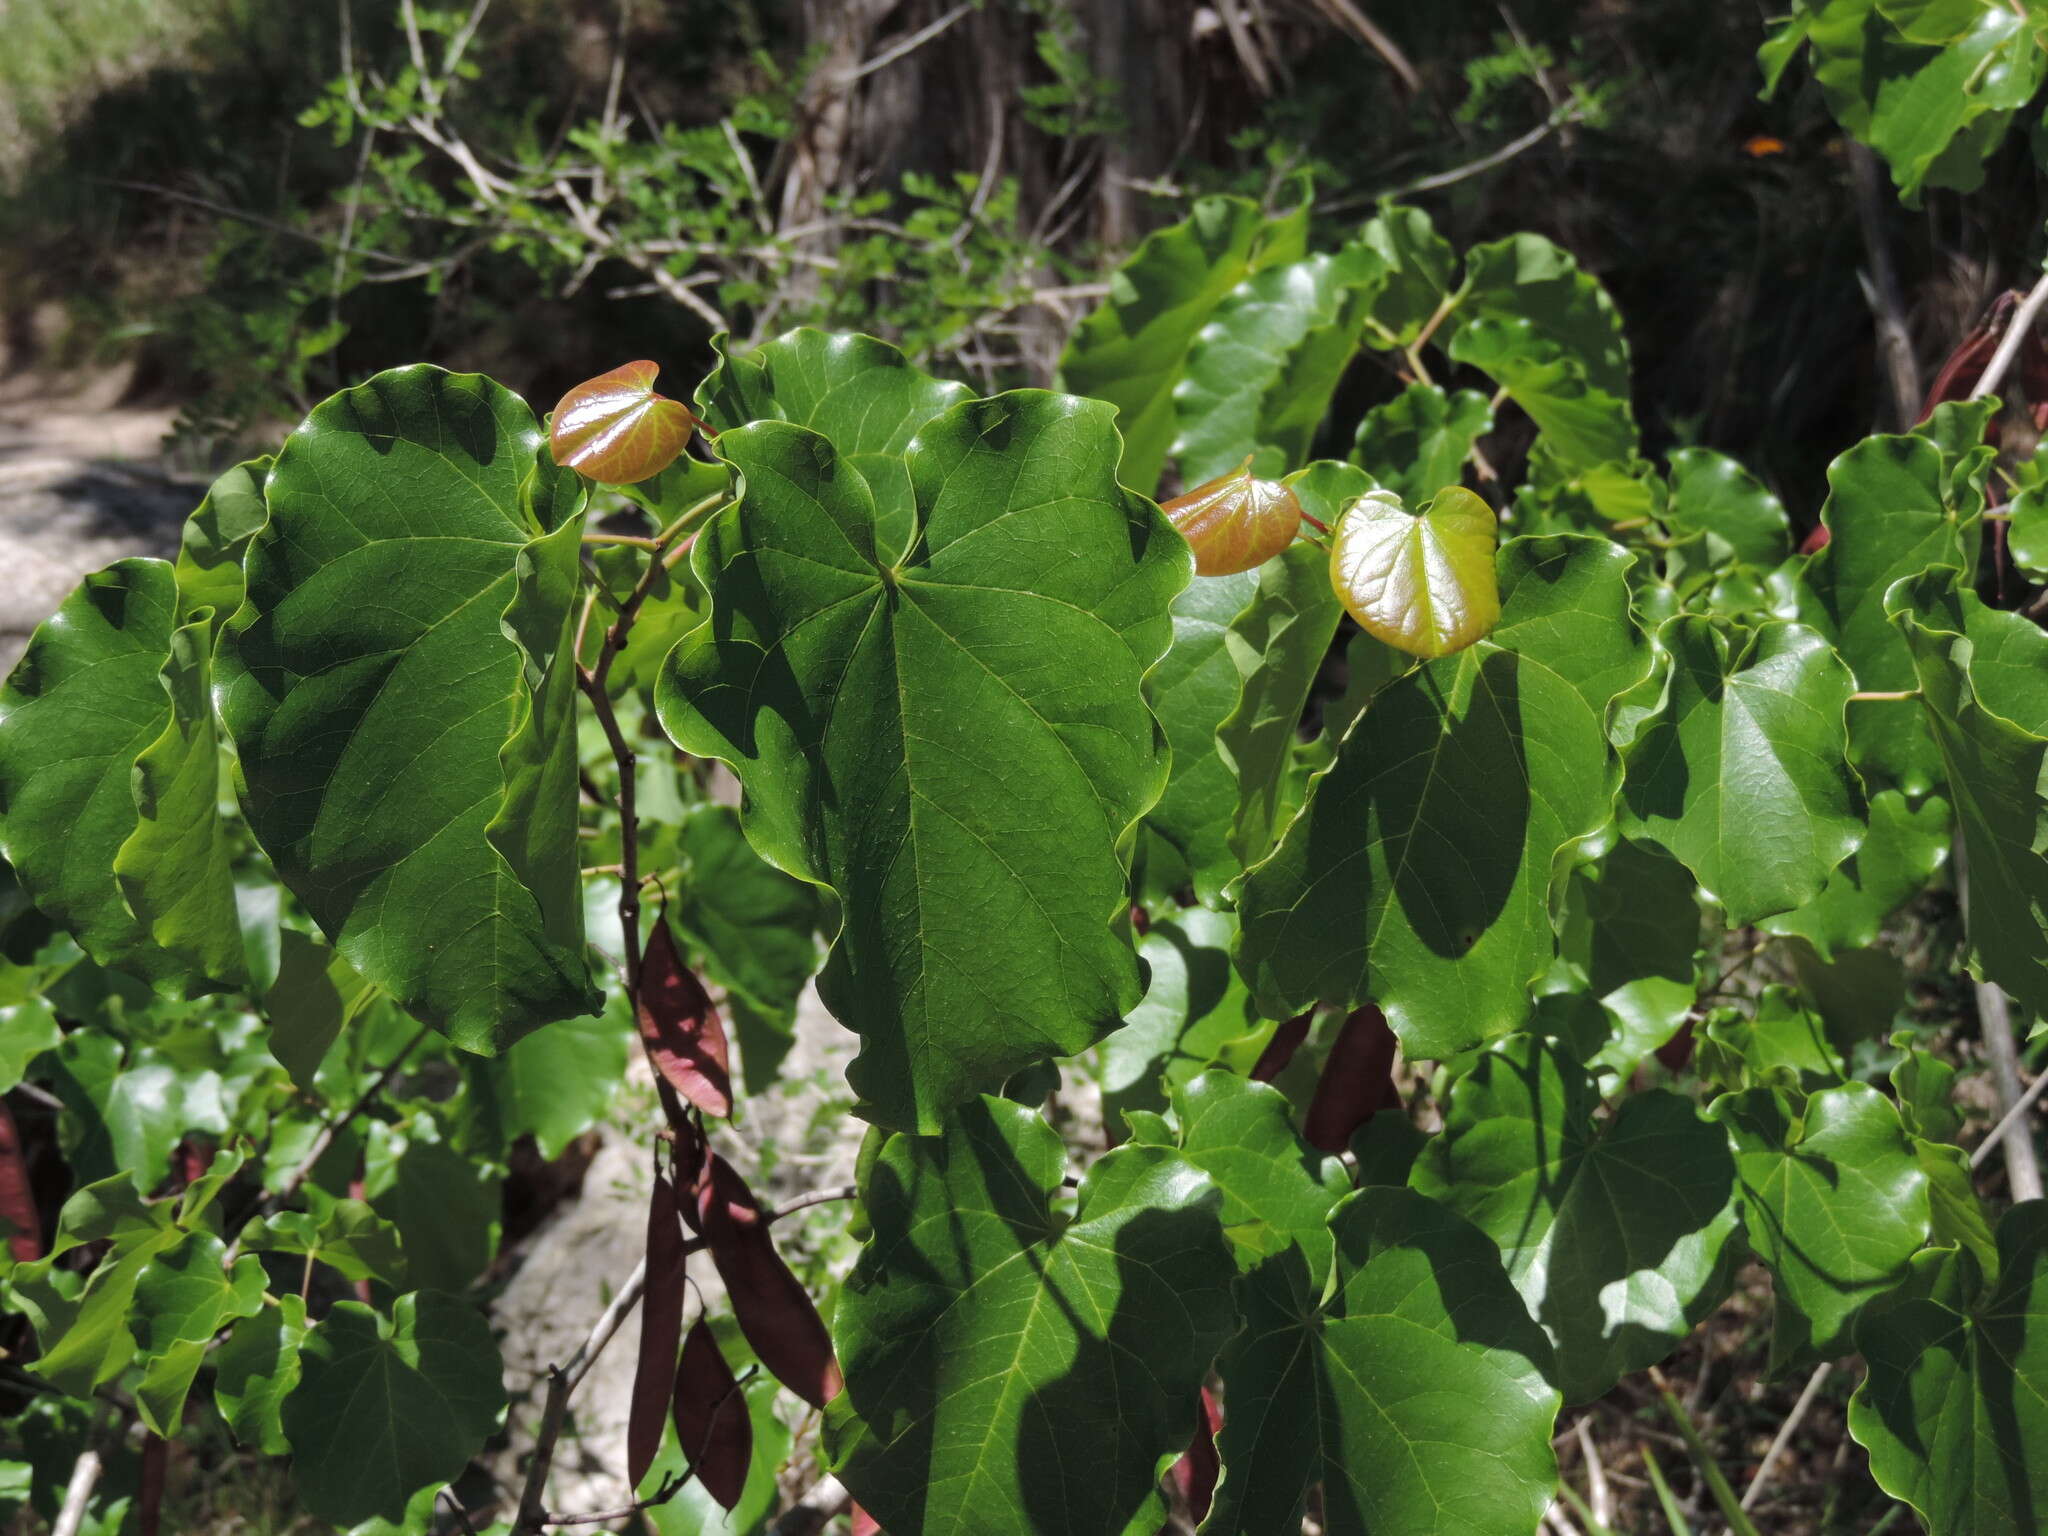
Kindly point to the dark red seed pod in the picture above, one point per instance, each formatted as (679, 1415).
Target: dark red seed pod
(661, 1330)
(1196, 1472)
(769, 1303)
(1281, 1048)
(1357, 1081)
(712, 1426)
(680, 1028)
(17, 1199)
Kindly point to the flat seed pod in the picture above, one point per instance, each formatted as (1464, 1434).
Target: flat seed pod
(1422, 582)
(1235, 522)
(616, 429)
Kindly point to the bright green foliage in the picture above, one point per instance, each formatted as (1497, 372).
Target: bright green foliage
(399, 694)
(985, 747)
(1901, 850)
(1133, 350)
(1463, 783)
(1955, 1408)
(85, 702)
(1010, 1370)
(256, 1370)
(1193, 689)
(1195, 1011)
(1716, 498)
(1744, 776)
(183, 1297)
(216, 537)
(1992, 728)
(1417, 1391)
(1614, 1233)
(1891, 512)
(1832, 1199)
(1418, 442)
(1422, 582)
(385, 1407)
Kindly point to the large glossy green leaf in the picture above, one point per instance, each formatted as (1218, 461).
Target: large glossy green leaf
(1833, 1201)
(1010, 1369)
(401, 695)
(1417, 443)
(956, 743)
(861, 393)
(1954, 1411)
(1278, 642)
(1744, 774)
(84, 702)
(1260, 373)
(1133, 349)
(387, 1406)
(1613, 1230)
(1890, 514)
(1419, 874)
(1904, 846)
(1417, 1392)
(1990, 720)
(1195, 687)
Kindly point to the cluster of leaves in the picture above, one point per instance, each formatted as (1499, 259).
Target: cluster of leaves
(1067, 811)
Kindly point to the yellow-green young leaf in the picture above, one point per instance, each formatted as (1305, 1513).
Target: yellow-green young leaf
(1235, 522)
(954, 738)
(1422, 582)
(399, 687)
(616, 429)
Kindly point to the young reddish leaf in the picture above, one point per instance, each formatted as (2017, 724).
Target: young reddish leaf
(864, 1523)
(712, 1426)
(655, 1379)
(1235, 522)
(1357, 1081)
(1281, 1048)
(679, 1026)
(1195, 1473)
(1423, 582)
(149, 1493)
(17, 1200)
(772, 1308)
(1675, 1054)
(1966, 364)
(616, 429)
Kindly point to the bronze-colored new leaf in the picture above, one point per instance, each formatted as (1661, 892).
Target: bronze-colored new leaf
(712, 1424)
(1423, 582)
(680, 1027)
(616, 429)
(1235, 522)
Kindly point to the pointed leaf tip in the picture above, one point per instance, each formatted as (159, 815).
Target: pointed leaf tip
(1422, 582)
(616, 429)
(1235, 522)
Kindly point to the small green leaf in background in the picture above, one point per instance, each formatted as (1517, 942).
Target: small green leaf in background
(1743, 774)
(1715, 497)
(215, 537)
(27, 1029)
(616, 429)
(1418, 442)
(387, 1406)
(1194, 1010)
(1423, 582)
(1988, 709)
(1833, 1201)
(554, 1084)
(1889, 516)
(84, 702)
(1419, 873)
(314, 997)
(346, 1235)
(1010, 1370)
(1419, 262)
(445, 1206)
(1417, 1392)
(184, 1296)
(400, 693)
(956, 744)
(1782, 1044)
(256, 1370)
(1631, 927)
(1954, 1411)
(1613, 1232)
(1132, 350)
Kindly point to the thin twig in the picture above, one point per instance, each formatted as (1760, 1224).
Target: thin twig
(897, 50)
(1994, 1019)
(2015, 336)
(1598, 1494)
(669, 1489)
(1786, 1430)
(2009, 1119)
